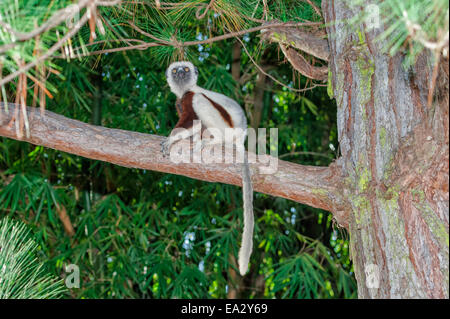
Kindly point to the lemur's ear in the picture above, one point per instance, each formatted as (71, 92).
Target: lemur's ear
(196, 70)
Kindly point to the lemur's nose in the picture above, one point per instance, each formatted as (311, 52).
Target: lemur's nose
(180, 70)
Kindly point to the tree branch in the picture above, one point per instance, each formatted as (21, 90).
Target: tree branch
(270, 76)
(175, 43)
(266, 26)
(299, 63)
(49, 52)
(319, 187)
(305, 41)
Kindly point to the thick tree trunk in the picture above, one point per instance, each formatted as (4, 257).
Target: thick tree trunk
(394, 161)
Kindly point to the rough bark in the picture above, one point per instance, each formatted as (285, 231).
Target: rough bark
(395, 158)
(314, 186)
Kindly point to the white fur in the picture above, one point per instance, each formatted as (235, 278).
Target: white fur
(175, 88)
(210, 116)
(206, 112)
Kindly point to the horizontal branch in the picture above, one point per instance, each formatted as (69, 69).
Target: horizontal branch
(179, 44)
(230, 35)
(315, 186)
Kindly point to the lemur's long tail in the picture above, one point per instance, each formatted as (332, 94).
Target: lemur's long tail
(247, 236)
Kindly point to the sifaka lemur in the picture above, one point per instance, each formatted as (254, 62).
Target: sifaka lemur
(214, 111)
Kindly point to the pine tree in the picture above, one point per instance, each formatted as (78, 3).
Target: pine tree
(22, 274)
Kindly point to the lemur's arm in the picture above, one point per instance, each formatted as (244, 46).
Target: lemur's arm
(186, 122)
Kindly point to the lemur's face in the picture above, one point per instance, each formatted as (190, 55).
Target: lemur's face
(182, 74)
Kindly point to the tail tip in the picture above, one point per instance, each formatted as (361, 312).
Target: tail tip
(243, 267)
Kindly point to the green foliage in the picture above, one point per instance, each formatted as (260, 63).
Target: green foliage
(143, 234)
(22, 274)
(410, 26)
(414, 22)
(23, 17)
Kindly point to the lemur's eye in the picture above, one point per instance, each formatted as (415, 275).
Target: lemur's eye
(186, 69)
(174, 70)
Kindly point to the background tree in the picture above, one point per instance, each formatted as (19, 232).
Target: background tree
(140, 233)
(393, 136)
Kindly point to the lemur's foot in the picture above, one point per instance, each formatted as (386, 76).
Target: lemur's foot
(165, 147)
